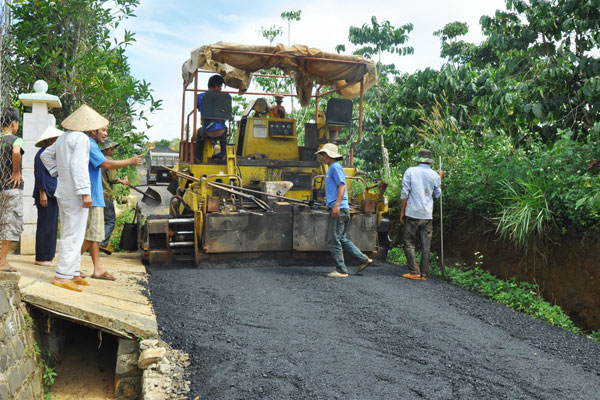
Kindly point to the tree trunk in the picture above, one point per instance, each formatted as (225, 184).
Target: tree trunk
(384, 152)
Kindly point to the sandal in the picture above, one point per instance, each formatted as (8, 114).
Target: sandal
(68, 285)
(10, 269)
(105, 276)
(80, 281)
(411, 276)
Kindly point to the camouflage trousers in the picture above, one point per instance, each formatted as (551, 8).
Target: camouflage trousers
(11, 214)
(417, 230)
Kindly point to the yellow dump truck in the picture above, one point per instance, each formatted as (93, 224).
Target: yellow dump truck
(266, 196)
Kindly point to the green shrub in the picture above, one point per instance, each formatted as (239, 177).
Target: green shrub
(126, 216)
(397, 256)
(524, 188)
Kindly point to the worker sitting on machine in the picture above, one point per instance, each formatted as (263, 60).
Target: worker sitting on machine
(277, 111)
(211, 129)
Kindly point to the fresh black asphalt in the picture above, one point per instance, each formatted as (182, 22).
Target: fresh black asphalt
(292, 333)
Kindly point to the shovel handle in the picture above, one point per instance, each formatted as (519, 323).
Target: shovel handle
(137, 190)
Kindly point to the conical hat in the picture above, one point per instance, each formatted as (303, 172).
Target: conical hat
(84, 119)
(49, 133)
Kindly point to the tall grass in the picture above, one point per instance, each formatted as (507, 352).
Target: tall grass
(525, 212)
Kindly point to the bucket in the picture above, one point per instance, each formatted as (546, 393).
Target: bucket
(129, 236)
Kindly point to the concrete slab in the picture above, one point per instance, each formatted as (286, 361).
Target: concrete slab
(120, 307)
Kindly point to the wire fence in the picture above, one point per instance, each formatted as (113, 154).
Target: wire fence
(5, 173)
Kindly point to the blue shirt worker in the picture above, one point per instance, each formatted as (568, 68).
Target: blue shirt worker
(47, 206)
(94, 234)
(336, 195)
(420, 185)
(211, 128)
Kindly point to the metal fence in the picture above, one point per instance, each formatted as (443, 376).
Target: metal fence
(4, 90)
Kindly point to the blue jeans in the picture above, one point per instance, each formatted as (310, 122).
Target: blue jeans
(338, 242)
(110, 220)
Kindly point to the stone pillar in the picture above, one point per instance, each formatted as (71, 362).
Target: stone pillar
(34, 124)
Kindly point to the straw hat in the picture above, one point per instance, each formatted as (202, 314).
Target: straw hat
(50, 133)
(84, 119)
(331, 150)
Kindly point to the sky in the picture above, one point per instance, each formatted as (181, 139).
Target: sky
(167, 31)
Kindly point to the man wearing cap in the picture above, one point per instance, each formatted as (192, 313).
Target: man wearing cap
(11, 184)
(336, 195)
(109, 178)
(95, 126)
(420, 185)
(68, 159)
(45, 202)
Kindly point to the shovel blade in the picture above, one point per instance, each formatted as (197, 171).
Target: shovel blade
(151, 197)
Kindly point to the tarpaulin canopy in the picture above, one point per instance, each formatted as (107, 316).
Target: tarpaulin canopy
(306, 65)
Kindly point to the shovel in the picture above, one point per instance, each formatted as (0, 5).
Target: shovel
(150, 197)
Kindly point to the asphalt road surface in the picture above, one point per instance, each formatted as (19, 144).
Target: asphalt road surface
(292, 333)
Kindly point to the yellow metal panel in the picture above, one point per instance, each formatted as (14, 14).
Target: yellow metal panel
(258, 140)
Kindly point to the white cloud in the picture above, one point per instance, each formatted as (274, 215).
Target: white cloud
(166, 32)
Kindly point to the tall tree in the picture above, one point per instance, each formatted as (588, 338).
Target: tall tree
(539, 67)
(376, 39)
(70, 44)
(290, 16)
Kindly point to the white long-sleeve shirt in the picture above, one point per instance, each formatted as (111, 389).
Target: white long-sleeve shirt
(420, 185)
(68, 159)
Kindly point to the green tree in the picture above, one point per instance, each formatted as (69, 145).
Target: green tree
(271, 33)
(375, 40)
(290, 16)
(162, 143)
(539, 67)
(69, 44)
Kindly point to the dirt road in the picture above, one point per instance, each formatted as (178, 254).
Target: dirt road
(292, 333)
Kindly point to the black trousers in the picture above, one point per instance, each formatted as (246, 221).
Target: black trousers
(47, 230)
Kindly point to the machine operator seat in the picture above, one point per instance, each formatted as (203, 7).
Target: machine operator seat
(216, 106)
(337, 116)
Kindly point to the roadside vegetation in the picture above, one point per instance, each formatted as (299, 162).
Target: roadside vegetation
(519, 296)
(513, 118)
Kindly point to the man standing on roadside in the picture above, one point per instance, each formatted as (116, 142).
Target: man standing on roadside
(420, 185)
(11, 184)
(95, 126)
(336, 195)
(68, 158)
(109, 178)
